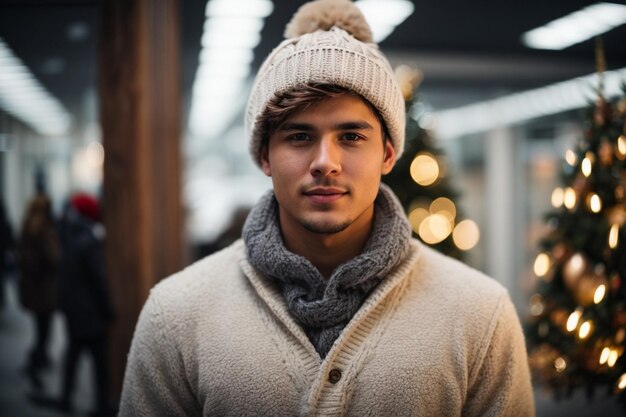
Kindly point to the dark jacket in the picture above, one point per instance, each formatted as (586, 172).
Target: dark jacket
(38, 262)
(7, 243)
(84, 295)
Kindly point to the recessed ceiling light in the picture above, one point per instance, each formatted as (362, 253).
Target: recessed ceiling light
(576, 27)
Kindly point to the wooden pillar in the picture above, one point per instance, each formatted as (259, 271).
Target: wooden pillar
(140, 117)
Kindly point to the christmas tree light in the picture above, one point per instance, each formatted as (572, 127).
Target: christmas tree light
(577, 339)
(420, 181)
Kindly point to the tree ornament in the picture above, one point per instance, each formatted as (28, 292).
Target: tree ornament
(559, 317)
(620, 148)
(543, 329)
(409, 79)
(621, 107)
(407, 90)
(559, 252)
(605, 152)
(617, 215)
(587, 286)
(421, 175)
(615, 282)
(600, 112)
(580, 185)
(536, 305)
(591, 361)
(619, 318)
(573, 269)
(542, 359)
(586, 304)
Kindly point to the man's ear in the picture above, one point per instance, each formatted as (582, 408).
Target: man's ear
(265, 161)
(389, 158)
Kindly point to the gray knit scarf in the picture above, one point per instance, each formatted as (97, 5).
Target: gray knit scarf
(325, 308)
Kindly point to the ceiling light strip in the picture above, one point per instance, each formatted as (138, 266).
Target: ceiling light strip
(576, 27)
(519, 107)
(23, 96)
(231, 32)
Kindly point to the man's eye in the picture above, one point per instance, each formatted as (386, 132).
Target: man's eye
(299, 137)
(352, 137)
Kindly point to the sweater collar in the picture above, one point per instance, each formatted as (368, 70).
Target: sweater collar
(322, 307)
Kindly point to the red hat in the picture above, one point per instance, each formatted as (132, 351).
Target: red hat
(86, 206)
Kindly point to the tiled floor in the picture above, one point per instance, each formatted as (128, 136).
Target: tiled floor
(16, 334)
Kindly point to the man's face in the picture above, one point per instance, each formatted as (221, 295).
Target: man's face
(326, 163)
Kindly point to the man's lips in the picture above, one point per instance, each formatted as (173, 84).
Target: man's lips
(324, 195)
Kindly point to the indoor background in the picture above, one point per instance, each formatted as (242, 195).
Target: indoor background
(500, 105)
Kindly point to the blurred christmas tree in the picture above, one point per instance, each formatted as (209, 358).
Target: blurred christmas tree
(419, 180)
(577, 330)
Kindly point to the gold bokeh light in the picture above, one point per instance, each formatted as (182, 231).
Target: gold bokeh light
(434, 229)
(585, 329)
(570, 157)
(542, 264)
(560, 364)
(557, 197)
(569, 198)
(416, 217)
(572, 320)
(604, 356)
(585, 167)
(613, 236)
(621, 147)
(598, 294)
(594, 202)
(445, 207)
(424, 169)
(466, 234)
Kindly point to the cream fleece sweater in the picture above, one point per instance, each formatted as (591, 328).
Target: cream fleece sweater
(436, 338)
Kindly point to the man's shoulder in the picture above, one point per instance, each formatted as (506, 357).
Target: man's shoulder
(448, 275)
(444, 290)
(202, 295)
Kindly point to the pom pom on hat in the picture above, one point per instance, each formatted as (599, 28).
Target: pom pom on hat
(325, 14)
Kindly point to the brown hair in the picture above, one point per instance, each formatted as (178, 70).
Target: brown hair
(283, 106)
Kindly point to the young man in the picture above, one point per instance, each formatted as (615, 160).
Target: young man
(327, 307)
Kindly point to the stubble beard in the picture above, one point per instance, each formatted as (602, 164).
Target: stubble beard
(324, 228)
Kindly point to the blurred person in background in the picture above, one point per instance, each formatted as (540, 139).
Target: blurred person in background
(84, 298)
(38, 260)
(7, 248)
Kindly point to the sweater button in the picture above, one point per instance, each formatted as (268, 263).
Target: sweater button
(334, 376)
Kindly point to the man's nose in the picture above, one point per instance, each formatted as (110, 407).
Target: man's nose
(326, 159)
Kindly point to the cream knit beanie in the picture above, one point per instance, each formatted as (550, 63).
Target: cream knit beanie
(328, 41)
